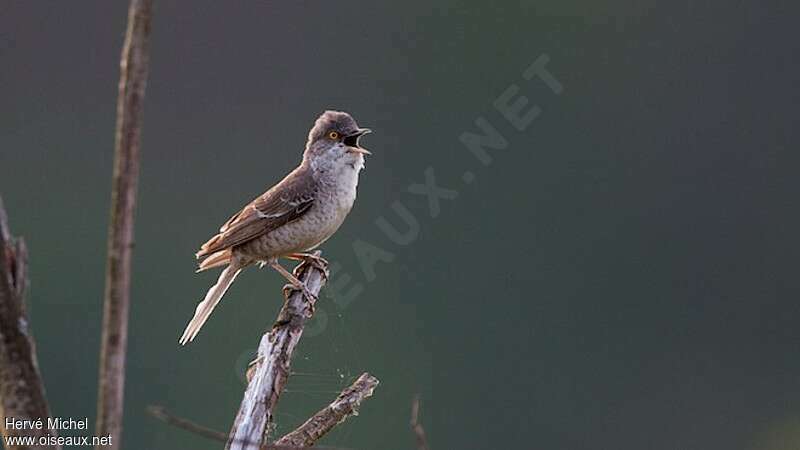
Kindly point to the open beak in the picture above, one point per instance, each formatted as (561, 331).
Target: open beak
(352, 144)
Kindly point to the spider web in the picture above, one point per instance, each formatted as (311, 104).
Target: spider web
(325, 363)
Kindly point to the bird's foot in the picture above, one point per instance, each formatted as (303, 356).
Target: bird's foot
(314, 259)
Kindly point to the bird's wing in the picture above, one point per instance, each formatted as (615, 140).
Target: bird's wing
(285, 202)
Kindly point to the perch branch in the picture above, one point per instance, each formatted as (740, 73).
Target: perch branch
(416, 427)
(345, 405)
(160, 413)
(271, 368)
(22, 395)
(130, 104)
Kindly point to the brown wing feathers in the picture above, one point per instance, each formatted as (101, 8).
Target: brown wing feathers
(284, 203)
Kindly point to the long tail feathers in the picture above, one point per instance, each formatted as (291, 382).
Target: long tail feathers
(205, 307)
(217, 259)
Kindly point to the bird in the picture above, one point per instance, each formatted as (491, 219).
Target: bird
(293, 217)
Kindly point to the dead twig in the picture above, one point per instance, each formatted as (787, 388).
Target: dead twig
(160, 413)
(22, 395)
(268, 374)
(271, 367)
(133, 79)
(416, 427)
(345, 405)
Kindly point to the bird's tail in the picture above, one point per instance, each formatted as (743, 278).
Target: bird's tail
(205, 307)
(217, 259)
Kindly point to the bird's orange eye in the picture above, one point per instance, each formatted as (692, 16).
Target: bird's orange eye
(333, 135)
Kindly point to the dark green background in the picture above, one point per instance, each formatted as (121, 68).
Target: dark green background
(623, 276)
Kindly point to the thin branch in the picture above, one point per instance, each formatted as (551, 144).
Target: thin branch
(133, 79)
(345, 405)
(271, 369)
(416, 427)
(22, 395)
(160, 413)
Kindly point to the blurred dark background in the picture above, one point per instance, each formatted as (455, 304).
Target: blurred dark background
(623, 275)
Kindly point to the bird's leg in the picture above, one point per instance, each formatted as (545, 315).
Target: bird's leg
(308, 257)
(314, 259)
(292, 279)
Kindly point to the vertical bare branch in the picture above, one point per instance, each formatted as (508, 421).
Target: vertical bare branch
(22, 395)
(416, 427)
(345, 405)
(271, 370)
(132, 82)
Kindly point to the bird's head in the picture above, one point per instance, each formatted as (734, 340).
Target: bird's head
(334, 139)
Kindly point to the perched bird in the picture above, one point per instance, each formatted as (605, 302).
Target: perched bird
(293, 217)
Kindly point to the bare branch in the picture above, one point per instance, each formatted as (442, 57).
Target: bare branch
(271, 368)
(345, 405)
(159, 412)
(22, 395)
(133, 79)
(416, 427)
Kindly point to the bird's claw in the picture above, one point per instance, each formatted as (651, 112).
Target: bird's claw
(310, 295)
(314, 260)
(318, 261)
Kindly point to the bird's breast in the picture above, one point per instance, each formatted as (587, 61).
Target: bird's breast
(334, 201)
